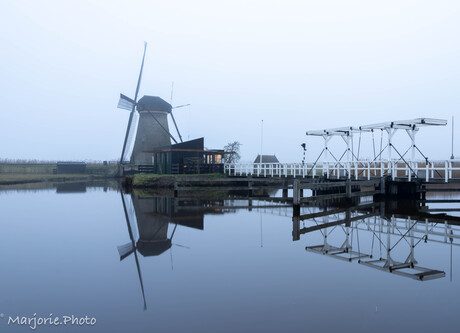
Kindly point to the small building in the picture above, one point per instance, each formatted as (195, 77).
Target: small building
(187, 157)
(70, 167)
(267, 162)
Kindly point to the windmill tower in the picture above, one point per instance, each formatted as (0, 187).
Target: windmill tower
(152, 130)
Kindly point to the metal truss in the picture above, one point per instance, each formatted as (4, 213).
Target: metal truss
(346, 133)
(387, 232)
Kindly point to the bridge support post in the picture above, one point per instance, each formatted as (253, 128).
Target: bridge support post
(348, 188)
(348, 157)
(295, 228)
(423, 194)
(391, 132)
(296, 198)
(326, 158)
(446, 174)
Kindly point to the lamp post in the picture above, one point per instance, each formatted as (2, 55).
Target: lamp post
(304, 146)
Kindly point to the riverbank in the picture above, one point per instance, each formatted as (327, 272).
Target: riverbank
(146, 181)
(30, 173)
(16, 179)
(169, 181)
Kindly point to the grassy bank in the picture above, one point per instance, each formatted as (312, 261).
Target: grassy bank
(24, 173)
(12, 179)
(167, 181)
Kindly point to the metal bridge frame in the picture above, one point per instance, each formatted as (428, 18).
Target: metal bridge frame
(353, 166)
(410, 126)
(402, 228)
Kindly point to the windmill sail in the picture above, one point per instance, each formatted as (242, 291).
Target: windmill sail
(125, 250)
(131, 135)
(133, 107)
(125, 103)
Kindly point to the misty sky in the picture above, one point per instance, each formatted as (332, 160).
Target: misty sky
(298, 65)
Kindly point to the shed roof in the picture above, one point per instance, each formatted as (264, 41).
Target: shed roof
(153, 103)
(266, 159)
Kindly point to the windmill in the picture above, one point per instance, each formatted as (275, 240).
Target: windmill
(149, 125)
(153, 237)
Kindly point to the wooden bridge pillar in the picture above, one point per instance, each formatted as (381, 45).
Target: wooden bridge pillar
(348, 188)
(296, 197)
(285, 193)
(295, 228)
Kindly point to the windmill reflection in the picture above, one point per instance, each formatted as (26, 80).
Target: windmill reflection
(148, 223)
(375, 234)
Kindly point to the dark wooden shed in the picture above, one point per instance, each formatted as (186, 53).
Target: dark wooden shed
(187, 157)
(70, 167)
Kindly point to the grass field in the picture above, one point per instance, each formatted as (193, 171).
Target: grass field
(23, 173)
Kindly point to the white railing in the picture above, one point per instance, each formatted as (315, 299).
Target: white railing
(445, 169)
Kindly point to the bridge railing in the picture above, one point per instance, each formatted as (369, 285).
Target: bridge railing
(364, 169)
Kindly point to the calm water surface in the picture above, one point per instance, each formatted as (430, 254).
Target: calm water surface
(74, 251)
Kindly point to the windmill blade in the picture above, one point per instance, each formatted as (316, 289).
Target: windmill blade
(140, 279)
(125, 250)
(174, 231)
(134, 249)
(180, 106)
(172, 116)
(130, 231)
(171, 256)
(133, 107)
(187, 247)
(177, 128)
(131, 135)
(140, 74)
(172, 90)
(125, 102)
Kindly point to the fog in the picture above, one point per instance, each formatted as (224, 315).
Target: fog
(296, 65)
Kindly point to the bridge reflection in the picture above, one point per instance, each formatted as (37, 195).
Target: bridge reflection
(376, 233)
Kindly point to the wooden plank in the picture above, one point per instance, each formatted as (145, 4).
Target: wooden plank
(225, 188)
(211, 208)
(229, 179)
(338, 196)
(321, 185)
(324, 197)
(364, 193)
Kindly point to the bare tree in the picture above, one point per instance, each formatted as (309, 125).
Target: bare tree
(233, 148)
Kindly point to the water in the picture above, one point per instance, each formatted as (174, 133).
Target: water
(225, 270)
